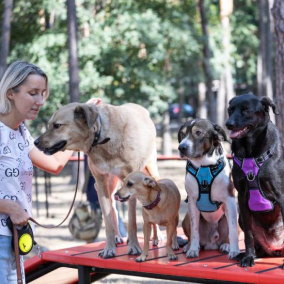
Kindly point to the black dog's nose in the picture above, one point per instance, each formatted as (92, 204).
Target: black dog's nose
(182, 147)
(230, 123)
(36, 142)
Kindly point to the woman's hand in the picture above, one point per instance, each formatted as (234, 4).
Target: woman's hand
(18, 215)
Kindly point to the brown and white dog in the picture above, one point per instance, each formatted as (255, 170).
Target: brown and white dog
(117, 140)
(209, 187)
(161, 202)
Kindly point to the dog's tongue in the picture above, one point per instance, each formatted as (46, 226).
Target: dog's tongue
(116, 197)
(238, 133)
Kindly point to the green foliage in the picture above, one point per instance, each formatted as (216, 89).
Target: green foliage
(131, 51)
(245, 43)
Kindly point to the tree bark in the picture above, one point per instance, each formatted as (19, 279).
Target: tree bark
(226, 92)
(73, 51)
(166, 135)
(6, 32)
(206, 64)
(202, 106)
(278, 14)
(265, 53)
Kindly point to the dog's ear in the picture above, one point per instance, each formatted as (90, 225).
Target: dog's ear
(84, 114)
(220, 133)
(147, 181)
(218, 136)
(179, 133)
(185, 125)
(266, 103)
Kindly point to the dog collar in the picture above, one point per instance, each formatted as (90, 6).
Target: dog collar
(97, 137)
(154, 203)
(251, 167)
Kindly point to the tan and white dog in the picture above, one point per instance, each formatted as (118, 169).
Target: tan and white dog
(209, 188)
(117, 140)
(161, 202)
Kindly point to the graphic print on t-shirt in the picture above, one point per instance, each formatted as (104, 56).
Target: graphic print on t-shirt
(16, 169)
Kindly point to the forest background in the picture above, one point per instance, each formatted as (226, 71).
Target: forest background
(150, 52)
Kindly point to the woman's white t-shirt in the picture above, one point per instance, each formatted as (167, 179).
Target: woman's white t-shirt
(16, 170)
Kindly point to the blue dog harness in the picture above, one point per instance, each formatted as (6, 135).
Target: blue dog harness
(251, 167)
(204, 177)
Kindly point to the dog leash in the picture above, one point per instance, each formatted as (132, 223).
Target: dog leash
(16, 235)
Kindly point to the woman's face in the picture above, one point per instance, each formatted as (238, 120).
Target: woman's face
(29, 98)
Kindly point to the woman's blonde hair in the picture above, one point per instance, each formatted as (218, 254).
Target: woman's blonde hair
(14, 77)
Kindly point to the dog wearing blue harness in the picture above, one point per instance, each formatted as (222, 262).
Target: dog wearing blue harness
(211, 221)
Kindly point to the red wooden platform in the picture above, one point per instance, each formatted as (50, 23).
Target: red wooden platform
(209, 267)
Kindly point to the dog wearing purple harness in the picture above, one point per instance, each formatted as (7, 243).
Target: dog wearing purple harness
(258, 175)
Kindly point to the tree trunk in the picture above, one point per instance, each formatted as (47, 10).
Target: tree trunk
(6, 31)
(278, 14)
(73, 51)
(181, 102)
(202, 107)
(166, 135)
(206, 64)
(226, 92)
(265, 52)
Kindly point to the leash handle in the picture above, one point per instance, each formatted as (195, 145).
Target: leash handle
(73, 201)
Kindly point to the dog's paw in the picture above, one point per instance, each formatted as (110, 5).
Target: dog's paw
(118, 240)
(192, 253)
(107, 252)
(186, 248)
(134, 248)
(225, 248)
(172, 256)
(245, 260)
(233, 254)
(141, 258)
(175, 245)
(155, 242)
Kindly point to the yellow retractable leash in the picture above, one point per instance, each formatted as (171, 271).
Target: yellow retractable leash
(25, 237)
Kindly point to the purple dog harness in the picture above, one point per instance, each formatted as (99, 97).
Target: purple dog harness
(250, 167)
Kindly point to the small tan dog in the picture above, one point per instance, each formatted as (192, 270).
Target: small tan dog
(161, 201)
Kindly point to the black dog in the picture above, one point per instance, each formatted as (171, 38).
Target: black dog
(258, 175)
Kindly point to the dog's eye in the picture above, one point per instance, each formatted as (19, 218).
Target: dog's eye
(247, 112)
(56, 125)
(129, 183)
(230, 110)
(198, 133)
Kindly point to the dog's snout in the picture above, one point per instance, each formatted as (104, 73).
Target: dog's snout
(230, 123)
(182, 147)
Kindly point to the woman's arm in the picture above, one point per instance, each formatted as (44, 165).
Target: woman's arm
(17, 214)
(52, 164)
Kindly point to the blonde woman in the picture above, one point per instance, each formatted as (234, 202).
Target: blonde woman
(23, 91)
